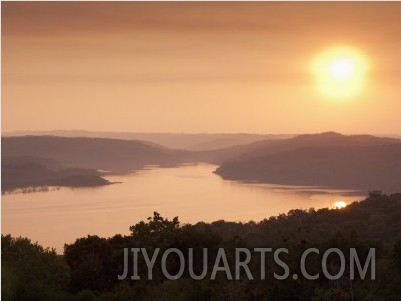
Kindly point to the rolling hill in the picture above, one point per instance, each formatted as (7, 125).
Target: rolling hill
(20, 172)
(113, 155)
(330, 160)
(193, 142)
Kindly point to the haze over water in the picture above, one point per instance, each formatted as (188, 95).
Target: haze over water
(193, 193)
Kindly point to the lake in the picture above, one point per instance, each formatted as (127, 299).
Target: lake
(192, 192)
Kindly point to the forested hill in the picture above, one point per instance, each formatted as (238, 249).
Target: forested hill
(88, 269)
(95, 153)
(329, 160)
(27, 174)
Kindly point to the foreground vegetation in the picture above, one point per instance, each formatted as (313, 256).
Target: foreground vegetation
(88, 269)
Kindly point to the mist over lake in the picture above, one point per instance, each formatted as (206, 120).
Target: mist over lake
(192, 192)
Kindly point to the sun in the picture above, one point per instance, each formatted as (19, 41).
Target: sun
(339, 205)
(342, 69)
(340, 72)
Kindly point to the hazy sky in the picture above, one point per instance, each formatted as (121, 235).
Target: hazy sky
(195, 67)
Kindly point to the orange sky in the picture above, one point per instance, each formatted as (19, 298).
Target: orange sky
(194, 67)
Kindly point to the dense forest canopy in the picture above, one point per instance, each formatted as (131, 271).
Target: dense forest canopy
(89, 268)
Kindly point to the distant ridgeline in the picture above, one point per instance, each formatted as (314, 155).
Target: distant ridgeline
(331, 160)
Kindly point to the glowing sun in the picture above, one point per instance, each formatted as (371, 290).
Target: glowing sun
(339, 205)
(340, 72)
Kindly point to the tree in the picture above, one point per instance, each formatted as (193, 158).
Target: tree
(30, 272)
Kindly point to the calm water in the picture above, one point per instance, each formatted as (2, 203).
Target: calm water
(193, 193)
